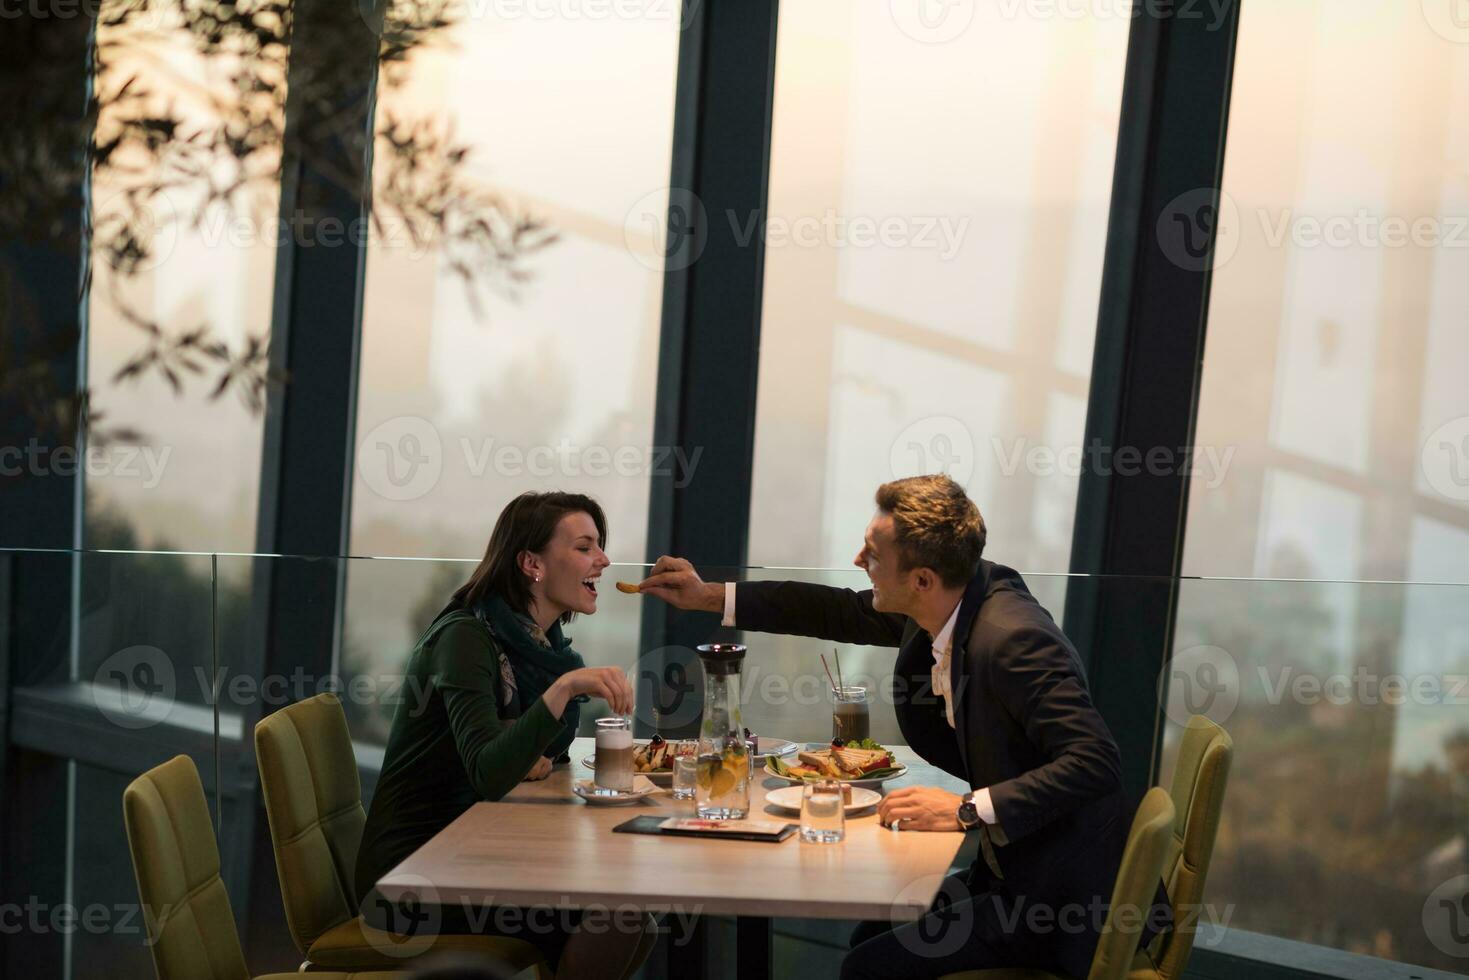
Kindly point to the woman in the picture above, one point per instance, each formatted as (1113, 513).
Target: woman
(497, 691)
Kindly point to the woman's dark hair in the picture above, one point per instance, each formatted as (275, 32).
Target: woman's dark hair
(526, 524)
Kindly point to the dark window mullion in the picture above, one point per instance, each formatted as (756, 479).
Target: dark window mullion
(1146, 366)
(710, 347)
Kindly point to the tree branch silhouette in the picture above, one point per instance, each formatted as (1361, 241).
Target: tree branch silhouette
(173, 147)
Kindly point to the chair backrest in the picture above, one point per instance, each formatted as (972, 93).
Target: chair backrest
(191, 928)
(313, 800)
(1136, 887)
(1199, 779)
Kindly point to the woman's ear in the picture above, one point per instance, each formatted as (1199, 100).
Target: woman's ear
(531, 565)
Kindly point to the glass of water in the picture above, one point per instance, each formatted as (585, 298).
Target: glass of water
(685, 768)
(823, 816)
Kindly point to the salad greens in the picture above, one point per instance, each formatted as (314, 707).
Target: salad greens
(868, 743)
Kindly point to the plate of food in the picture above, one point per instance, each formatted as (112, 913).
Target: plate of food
(864, 763)
(854, 798)
(654, 758)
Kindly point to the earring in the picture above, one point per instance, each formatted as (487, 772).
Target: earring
(538, 578)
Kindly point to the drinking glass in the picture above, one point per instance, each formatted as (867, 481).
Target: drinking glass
(614, 770)
(851, 721)
(685, 768)
(823, 816)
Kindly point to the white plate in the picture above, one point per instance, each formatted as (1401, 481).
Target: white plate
(586, 789)
(659, 778)
(775, 746)
(789, 798)
(869, 783)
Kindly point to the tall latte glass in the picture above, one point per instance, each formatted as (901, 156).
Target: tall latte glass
(614, 756)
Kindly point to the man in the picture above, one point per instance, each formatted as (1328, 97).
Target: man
(995, 696)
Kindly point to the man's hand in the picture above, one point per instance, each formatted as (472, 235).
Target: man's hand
(920, 808)
(540, 770)
(675, 582)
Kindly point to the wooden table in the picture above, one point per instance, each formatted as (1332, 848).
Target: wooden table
(542, 845)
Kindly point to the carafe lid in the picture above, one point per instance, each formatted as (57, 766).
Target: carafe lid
(722, 658)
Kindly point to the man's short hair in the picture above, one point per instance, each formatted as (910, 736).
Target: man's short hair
(937, 526)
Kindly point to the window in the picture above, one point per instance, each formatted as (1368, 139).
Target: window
(937, 215)
(1333, 387)
(179, 470)
(569, 117)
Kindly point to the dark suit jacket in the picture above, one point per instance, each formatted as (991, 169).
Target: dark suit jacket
(1024, 726)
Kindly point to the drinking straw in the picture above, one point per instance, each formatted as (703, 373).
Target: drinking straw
(838, 658)
(828, 674)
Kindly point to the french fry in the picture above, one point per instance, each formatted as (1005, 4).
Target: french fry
(630, 588)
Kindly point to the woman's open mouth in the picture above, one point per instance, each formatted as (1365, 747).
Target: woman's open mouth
(590, 584)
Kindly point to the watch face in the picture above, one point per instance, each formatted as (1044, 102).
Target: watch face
(968, 813)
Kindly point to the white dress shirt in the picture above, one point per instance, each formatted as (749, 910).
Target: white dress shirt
(943, 645)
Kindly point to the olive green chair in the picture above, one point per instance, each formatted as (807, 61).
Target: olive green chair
(1199, 779)
(313, 800)
(1137, 882)
(191, 929)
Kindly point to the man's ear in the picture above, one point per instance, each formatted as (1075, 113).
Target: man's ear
(924, 579)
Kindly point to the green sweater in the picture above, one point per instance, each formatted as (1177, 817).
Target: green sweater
(448, 747)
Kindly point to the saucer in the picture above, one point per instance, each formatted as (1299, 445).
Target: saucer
(789, 798)
(641, 786)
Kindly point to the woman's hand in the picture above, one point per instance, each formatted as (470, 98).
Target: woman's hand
(608, 683)
(540, 770)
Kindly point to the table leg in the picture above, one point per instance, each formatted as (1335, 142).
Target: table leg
(754, 947)
(688, 948)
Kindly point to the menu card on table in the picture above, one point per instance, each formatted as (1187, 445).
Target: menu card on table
(771, 831)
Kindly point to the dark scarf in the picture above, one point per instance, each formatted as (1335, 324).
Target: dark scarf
(537, 659)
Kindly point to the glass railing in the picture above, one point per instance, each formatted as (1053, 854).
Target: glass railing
(1346, 821)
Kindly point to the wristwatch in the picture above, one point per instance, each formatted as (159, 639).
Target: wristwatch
(968, 815)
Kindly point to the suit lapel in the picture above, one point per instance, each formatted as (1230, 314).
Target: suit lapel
(959, 682)
(915, 665)
(916, 654)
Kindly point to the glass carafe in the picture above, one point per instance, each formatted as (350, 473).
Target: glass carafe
(722, 790)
